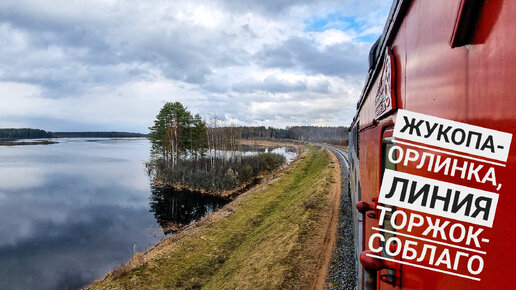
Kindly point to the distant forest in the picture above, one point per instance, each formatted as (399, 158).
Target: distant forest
(96, 135)
(11, 134)
(23, 133)
(333, 135)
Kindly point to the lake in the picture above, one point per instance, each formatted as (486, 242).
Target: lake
(72, 211)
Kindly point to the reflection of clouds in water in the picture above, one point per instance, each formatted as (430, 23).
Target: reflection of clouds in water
(28, 166)
(21, 177)
(123, 174)
(92, 242)
(56, 201)
(72, 211)
(290, 153)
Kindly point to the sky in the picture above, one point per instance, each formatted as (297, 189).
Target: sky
(110, 65)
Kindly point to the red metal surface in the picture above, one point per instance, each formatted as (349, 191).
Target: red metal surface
(473, 84)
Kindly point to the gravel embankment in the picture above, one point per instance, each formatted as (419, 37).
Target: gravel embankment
(342, 273)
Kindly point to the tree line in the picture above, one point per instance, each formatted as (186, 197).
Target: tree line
(10, 134)
(332, 135)
(97, 134)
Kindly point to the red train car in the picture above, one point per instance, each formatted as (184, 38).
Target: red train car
(432, 166)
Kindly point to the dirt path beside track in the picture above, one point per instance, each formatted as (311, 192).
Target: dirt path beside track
(342, 273)
(330, 238)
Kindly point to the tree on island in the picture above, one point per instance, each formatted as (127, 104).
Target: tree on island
(176, 132)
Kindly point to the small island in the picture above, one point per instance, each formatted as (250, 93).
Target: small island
(17, 136)
(18, 143)
(188, 154)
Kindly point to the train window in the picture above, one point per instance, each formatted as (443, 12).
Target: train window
(353, 140)
(373, 54)
(386, 164)
(468, 16)
(357, 140)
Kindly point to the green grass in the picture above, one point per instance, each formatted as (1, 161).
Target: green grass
(269, 241)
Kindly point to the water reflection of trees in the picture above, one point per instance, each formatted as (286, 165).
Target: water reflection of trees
(174, 209)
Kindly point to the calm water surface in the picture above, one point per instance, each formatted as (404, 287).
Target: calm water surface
(72, 211)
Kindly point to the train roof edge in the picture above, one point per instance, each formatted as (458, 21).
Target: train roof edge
(394, 20)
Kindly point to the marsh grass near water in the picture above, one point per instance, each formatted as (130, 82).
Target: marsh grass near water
(215, 175)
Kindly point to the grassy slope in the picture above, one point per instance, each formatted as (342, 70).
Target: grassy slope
(270, 239)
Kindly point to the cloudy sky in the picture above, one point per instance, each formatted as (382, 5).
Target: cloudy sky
(75, 65)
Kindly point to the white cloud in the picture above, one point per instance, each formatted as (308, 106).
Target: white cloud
(69, 65)
(332, 36)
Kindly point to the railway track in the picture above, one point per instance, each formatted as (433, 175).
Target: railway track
(342, 274)
(344, 155)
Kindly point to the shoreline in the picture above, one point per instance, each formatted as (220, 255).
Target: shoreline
(281, 233)
(24, 143)
(233, 193)
(200, 225)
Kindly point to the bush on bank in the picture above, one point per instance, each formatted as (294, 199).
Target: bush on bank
(215, 174)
